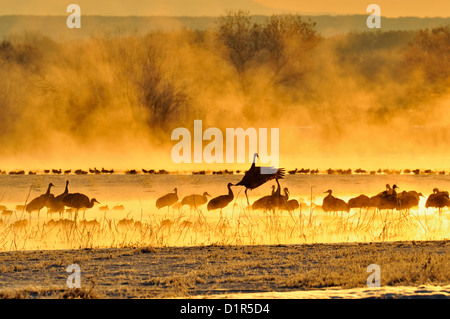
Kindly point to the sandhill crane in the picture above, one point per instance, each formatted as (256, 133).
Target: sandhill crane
(254, 177)
(221, 201)
(277, 200)
(195, 200)
(7, 213)
(362, 201)
(262, 203)
(20, 224)
(166, 223)
(56, 204)
(439, 199)
(333, 204)
(387, 192)
(408, 200)
(90, 224)
(125, 223)
(39, 202)
(167, 200)
(385, 200)
(437, 191)
(78, 201)
(290, 204)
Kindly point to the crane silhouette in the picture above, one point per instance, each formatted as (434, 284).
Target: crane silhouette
(438, 199)
(221, 201)
(254, 177)
(387, 199)
(334, 204)
(195, 200)
(361, 201)
(277, 200)
(262, 203)
(290, 204)
(39, 202)
(408, 200)
(167, 200)
(78, 201)
(56, 205)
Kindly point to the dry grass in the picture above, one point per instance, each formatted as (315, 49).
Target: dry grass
(243, 227)
(208, 270)
(196, 255)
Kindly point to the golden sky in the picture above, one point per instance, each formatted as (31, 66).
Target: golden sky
(389, 8)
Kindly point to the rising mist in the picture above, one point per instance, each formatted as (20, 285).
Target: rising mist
(372, 99)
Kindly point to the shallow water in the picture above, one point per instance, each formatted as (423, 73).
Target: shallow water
(119, 188)
(138, 193)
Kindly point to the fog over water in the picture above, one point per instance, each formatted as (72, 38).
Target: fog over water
(371, 100)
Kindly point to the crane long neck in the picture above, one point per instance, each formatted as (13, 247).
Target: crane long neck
(230, 192)
(254, 159)
(278, 192)
(91, 203)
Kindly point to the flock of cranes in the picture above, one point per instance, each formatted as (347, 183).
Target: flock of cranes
(253, 178)
(387, 199)
(57, 204)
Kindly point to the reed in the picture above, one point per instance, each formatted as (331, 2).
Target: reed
(243, 227)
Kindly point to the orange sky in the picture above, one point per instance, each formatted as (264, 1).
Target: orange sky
(389, 8)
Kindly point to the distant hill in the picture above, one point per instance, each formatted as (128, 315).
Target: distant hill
(55, 26)
(133, 7)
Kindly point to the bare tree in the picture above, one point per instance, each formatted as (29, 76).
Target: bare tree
(430, 51)
(166, 102)
(240, 36)
(282, 41)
